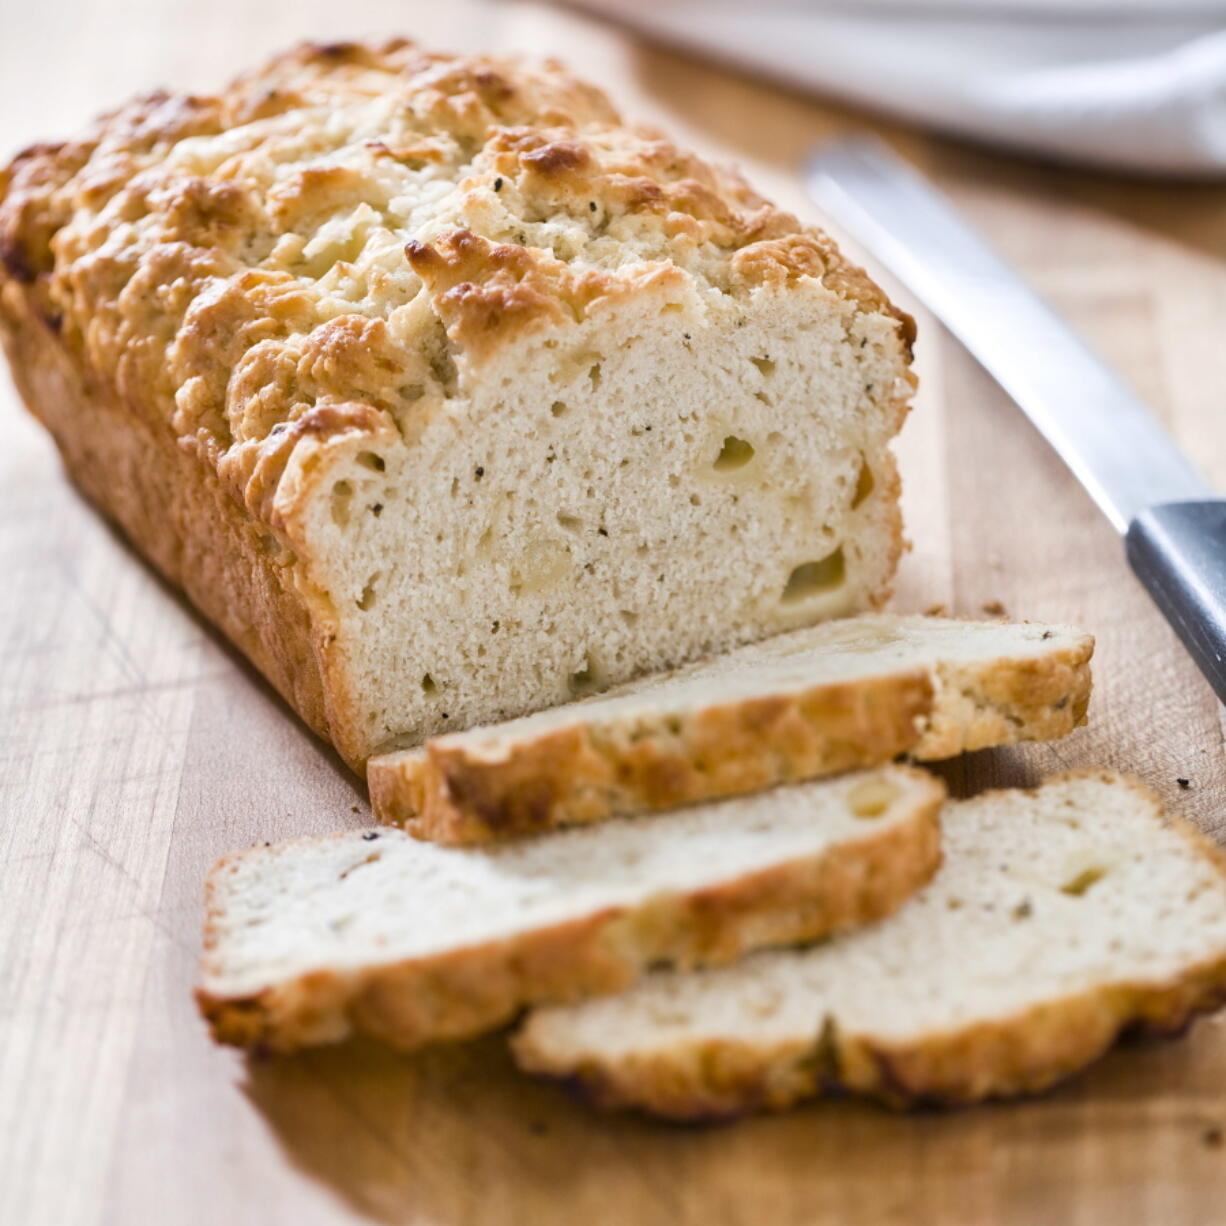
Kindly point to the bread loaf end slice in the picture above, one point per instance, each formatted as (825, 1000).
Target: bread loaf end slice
(309, 941)
(1061, 917)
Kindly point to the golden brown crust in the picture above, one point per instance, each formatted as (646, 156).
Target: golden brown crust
(236, 572)
(580, 772)
(1023, 1054)
(1037, 699)
(490, 293)
(97, 230)
(468, 991)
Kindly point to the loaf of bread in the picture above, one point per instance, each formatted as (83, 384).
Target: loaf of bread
(1060, 917)
(377, 932)
(444, 393)
(847, 693)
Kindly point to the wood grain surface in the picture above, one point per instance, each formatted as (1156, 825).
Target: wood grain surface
(137, 748)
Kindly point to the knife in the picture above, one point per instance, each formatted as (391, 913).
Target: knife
(1173, 525)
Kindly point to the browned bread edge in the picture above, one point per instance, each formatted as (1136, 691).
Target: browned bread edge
(464, 992)
(573, 774)
(1025, 1053)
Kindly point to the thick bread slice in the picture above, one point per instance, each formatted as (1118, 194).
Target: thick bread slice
(845, 694)
(1061, 916)
(376, 932)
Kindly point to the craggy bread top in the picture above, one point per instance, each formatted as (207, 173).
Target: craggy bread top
(353, 229)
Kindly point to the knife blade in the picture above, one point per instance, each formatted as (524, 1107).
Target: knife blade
(1173, 525)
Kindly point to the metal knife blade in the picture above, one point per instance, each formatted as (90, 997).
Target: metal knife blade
(1174, 527)
(1112, 442)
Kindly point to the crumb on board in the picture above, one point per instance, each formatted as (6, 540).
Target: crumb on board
(1184, 783)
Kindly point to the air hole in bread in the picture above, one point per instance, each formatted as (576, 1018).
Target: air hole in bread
(367, 599)
(1080, 885)
(811, 579)
(428, 685)
(765, 366)
(871, 798)
(342, 494)
(443, 367)
(864, 484)
(542, 564)
(559, 408)
(368, 459)
(586, 679)
(735, 453)
(593, 375)
(571, 523)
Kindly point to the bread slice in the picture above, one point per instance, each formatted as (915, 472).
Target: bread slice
(377, 932)
(446, 393)
(1060, 917)
(845, 694)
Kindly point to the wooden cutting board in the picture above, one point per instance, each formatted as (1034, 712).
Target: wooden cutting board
(137, 748)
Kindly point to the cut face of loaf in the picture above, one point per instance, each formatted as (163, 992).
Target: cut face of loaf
(306, 942)
(1060, 917)
(845, 694)
(444, 393)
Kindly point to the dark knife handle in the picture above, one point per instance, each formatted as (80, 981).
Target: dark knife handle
(1178, 551)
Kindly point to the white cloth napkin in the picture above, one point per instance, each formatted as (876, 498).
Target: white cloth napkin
(1136, 85)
